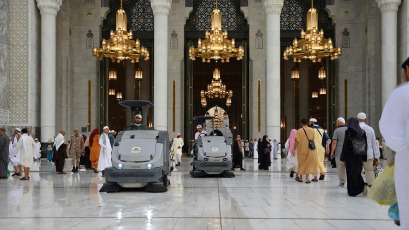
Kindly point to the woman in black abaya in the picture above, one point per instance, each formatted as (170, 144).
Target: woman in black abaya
(353, 163)
(264, 157)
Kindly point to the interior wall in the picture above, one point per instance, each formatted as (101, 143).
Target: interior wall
(82, 66)
(257, 70)
(177, 21)
(349, 66)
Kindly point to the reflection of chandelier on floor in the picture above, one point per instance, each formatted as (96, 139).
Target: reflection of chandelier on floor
(216, 90)
(312, 44)
(216, 46)
(120, 46)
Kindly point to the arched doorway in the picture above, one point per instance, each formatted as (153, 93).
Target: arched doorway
(124, 86)
(234, 74)
(297, 99)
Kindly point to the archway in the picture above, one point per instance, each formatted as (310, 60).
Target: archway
(125, 86)
(234, 74)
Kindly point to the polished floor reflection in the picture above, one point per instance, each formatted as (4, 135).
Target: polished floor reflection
(251, 200)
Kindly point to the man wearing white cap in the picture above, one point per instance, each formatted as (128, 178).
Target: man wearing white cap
(336, 149)
(200, 133)
(15, 158)
(394, 126)
(177, 145)
(322, 141)
(104, 160)
(138, 124)
(373, 152)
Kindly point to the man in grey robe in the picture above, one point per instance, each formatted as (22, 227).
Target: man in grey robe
(4, 153)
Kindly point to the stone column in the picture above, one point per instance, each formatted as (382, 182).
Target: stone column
(161, 10)
(4, 61)
(48, 10)
(389, 11)
(272, 10)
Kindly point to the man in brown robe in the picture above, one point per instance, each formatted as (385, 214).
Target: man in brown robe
(307, 158)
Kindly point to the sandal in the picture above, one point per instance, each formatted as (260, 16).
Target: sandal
(307, 182)
(314, 180)
(25, 178)
(300, 180)
(297, 178)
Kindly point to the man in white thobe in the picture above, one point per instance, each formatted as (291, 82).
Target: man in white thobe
(37, 150)
(274, 144)
(394, 126)
(373, 152)
(26, 147)
(15, 158)
(106, 150)
(177, 145)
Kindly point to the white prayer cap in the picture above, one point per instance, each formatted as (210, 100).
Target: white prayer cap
(18, 129)
(198, 126)
(36, 139)
(112, 131)
(106, 127)
(138, 115)
(342, 120)
(361, 116)
(313, 120)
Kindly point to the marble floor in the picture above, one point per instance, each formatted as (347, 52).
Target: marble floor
(251, 200)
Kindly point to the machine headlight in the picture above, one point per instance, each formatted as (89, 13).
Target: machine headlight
(224, 159)
(206, 159)
(120, 166)
(149, 166)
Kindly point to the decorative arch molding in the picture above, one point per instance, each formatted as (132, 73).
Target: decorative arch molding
(233, 18)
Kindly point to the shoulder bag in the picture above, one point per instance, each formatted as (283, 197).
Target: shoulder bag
(311, 144)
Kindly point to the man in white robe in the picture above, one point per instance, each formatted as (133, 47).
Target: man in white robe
(274, 144)
(394, 126)
(15, 158)
(37, 150)
(26, 147)
(106, 150)
(177, 145)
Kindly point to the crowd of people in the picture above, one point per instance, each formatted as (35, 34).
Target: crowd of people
(93, 152)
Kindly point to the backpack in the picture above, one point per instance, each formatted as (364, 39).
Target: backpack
(359, 146)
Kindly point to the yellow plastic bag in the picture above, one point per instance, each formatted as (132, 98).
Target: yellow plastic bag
(383, 189)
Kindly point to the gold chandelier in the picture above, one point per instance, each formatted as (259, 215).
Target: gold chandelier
(120, 46)
(312, 44)
(216, 90)
(216, 45)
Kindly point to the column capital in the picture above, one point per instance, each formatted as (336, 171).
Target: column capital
(161, 6)
(388, 5)
(273, 6)
(49, 6)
